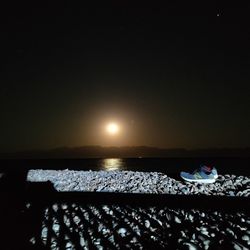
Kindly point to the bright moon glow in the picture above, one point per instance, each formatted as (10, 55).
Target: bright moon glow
(112, 128)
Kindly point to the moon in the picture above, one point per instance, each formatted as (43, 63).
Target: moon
(112, 128)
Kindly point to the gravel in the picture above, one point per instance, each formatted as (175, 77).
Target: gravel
(120, 227)
(138, 182)
(129, 227)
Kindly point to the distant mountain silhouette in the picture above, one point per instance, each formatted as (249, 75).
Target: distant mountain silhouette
(125, 152)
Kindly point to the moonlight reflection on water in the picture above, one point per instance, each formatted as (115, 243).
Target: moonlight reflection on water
(113, 164)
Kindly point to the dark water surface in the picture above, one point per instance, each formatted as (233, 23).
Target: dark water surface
(237, 166)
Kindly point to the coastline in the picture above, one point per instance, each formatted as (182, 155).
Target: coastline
(143, 227)
(138, 182)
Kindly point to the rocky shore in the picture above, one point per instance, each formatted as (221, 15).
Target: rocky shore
(126, 227)
(120, 227)
(138, 182)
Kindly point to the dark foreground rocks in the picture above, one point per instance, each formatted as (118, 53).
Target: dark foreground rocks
(75, 226)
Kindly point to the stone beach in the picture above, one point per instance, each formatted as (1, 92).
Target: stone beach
(138, 182)
(129, 227)
(79, 226)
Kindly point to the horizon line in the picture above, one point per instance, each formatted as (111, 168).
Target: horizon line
(120, 147)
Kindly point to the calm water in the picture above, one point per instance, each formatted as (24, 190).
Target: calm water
(165, 165)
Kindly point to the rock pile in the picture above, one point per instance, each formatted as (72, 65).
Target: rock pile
(79, 226)
(138, 182)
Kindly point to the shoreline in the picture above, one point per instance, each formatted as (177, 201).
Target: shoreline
(138, 182)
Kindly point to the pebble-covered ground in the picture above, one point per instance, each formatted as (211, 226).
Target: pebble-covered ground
(81, 226)
(138, 182)
(76, 226)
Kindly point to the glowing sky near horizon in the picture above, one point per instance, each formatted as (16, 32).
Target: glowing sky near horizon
(174, 76)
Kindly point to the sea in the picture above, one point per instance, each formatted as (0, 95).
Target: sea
(170, 166)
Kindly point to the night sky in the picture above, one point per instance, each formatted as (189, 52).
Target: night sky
(170, 76)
